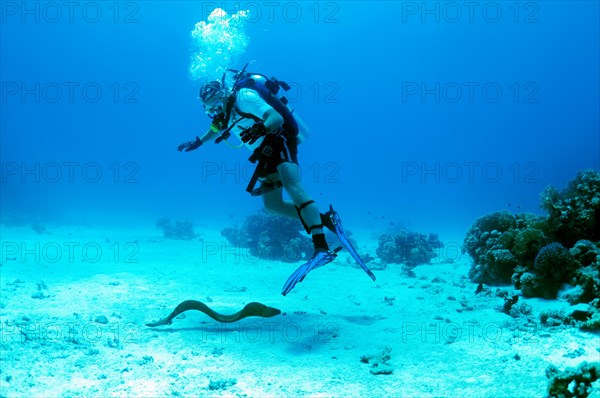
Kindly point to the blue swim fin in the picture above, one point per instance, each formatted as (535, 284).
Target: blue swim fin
(318, 259)
(341, 234)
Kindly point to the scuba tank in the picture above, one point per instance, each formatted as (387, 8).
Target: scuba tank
(269, 90)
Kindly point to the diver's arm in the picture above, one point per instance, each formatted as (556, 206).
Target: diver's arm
(210, 135)
(249, 101)
(272, 120)
(271, 123)
(193, 145)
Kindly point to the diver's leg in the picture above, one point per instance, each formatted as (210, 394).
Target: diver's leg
(273, 199)
(306, 208)
(308, 212)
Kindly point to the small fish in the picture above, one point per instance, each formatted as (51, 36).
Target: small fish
(479, 288)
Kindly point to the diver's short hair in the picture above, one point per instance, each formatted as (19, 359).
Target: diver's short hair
(209, 90)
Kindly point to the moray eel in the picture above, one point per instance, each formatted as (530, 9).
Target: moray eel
(251, 309)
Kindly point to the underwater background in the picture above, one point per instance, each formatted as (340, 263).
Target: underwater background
(512, 107)
(423, 116)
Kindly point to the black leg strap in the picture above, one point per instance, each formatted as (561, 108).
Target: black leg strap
(303, 205)
(314, 227)
(299, 210)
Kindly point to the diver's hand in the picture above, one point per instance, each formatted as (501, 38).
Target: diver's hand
(190, 145)
(251, 134)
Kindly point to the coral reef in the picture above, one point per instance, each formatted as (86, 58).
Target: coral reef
(583, 316)
(488, 242)
(553, 262)
(550, 268)
(587, 273)
(586, 252)
(572, 382)
(181, 230)
(410, 248)
(574, 213)
(272, 237)
(528, 242)
(554, 266)
(589, 317)
(532, 251)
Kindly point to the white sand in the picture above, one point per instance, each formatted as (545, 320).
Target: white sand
(444, 340)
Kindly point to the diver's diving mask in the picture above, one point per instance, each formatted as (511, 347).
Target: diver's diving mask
(212, 95)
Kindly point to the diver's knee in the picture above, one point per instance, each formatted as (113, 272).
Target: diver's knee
(290, 173)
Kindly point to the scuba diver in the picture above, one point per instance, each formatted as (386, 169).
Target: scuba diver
(252, 109)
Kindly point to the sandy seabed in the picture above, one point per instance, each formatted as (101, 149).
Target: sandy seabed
(74, 304)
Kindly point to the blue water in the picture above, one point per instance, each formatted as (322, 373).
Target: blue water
(397, 134)
(424, 116)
